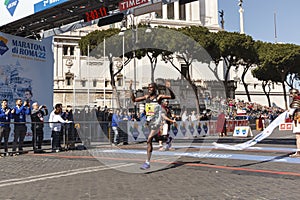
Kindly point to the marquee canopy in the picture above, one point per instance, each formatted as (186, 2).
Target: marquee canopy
(64, 13)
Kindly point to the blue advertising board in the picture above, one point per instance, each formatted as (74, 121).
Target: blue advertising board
(13, 10)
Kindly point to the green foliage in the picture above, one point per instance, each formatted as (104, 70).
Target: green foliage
(95, 38)
(276, 61)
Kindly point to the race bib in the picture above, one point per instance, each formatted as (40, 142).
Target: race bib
(150, 108)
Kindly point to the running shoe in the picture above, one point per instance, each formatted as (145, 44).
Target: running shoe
(145, 166)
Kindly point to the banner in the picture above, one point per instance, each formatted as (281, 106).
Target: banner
(26, 72)
(261, 136)
(242, 131)
(13, 10)
(139, 131)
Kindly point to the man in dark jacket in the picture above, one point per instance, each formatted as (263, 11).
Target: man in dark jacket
(37, 119)
(5, 117)
(19, 115)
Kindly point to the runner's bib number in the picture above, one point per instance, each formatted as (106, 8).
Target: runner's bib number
(150, 108)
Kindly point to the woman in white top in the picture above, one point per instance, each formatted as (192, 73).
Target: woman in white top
(55, 120)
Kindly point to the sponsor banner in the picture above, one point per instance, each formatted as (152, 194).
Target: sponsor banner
(286, 127)
(139, 131)
(242, 131)
(46, 4)
(13, 10)
(261, 136)
(26, 72)
(127, 4)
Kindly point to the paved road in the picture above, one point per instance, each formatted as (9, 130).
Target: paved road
(194, 170)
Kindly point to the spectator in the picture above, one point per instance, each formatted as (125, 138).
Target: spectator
(69, 127)
(19, 114)
(37, 126)
(204, 116)
(184, 116)
(5, 117)
(194, 116)
(55, 120)
(116, 118)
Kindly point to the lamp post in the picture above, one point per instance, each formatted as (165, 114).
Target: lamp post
(241, 11)
(123, 29)
(134, 40)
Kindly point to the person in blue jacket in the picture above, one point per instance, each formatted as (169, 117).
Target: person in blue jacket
(19, 115)
(116, 118)
(5, 117)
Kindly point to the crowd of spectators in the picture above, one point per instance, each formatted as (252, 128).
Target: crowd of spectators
(235, 109)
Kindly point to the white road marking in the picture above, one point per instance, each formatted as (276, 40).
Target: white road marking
(42, 177)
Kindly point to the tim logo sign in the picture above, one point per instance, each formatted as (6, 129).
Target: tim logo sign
(3, 47)
(11, 6)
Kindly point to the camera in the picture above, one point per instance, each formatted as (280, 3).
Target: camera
(26, 103)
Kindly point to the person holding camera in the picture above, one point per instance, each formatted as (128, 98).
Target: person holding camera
(37, 126)
(69, 129)
(19, 115)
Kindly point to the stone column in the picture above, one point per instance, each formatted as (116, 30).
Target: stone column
(164, 11)
(176, 10)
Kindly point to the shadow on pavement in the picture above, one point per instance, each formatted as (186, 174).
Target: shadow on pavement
(265, 161)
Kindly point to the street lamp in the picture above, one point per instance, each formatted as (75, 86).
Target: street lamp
(241, 11)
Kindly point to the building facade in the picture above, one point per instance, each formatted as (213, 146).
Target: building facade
(83, 80)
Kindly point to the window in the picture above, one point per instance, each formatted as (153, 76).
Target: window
(83, 83)
(65, 50)
(158, 13)
(71, 50)
(184, 70)
(170, 13)
(106, 83)
(68, 50)
(182, 14)
(120, 82)
(69, 80)
(94, 83)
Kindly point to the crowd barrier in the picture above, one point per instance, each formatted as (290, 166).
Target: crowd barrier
(88, 132)
(139, 131)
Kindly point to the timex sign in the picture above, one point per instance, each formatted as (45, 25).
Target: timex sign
(127, 4)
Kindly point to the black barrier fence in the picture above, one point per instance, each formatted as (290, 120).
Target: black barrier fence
(83, 133)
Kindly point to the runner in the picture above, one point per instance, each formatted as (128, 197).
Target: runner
(294, 93)
(153, 113)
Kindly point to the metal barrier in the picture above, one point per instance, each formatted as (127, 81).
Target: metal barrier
(85, 132)
(93, 133)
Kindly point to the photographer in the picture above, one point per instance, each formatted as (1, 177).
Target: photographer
(37, 126)
(19, 115)
(69, 128)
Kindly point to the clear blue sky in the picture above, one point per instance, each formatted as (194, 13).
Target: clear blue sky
(259, 19)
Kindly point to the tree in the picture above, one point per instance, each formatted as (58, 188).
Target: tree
(248, 59)
(234, 48)
(113, 48)
(282, 59)
(186, 50)
(265, 73)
